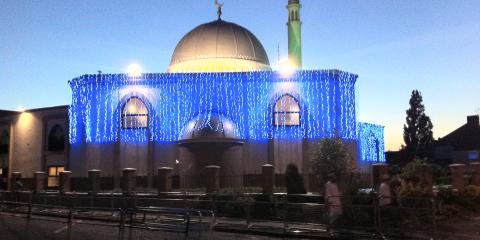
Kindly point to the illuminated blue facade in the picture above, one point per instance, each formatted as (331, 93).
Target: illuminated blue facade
(371, 144)
(326, 99)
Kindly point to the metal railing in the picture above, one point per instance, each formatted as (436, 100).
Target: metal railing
(108, 210)
(276, 214)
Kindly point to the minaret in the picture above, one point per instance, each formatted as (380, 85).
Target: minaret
(294, 34)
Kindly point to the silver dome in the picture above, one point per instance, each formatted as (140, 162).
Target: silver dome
(219, 40)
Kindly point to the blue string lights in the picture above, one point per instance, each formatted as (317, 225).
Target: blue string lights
(326, 99)
(371, 142)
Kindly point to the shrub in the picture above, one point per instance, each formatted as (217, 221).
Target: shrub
(414, 198)
(239, 206)
(417, 175)
(331, 156)
(293, 180)
(472, 191)
(452, 203)
(445, 195)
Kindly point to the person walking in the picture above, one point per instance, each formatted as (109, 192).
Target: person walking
(384, 192)
(384, 216)
(333, 199)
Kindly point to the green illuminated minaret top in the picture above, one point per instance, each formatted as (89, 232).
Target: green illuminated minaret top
(294, 34)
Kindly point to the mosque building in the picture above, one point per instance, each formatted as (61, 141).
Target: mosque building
(219, 103)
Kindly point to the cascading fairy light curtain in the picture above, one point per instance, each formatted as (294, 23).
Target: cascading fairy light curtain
(371, 141)
(326, 99)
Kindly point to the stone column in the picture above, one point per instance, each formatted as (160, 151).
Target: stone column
(94, 180)
(268, 178)
(13, 181)
(129, 176)
(378, 171)
(164, 179)
(212, 178)
(64, 178)
(457, 174)
(475, 170)
(39, 182)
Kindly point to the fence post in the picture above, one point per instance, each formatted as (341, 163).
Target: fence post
(29, 215)
(268, 178)
(378, 216)
(214, 206)
(327, 212)
(16, 176)
(185, 200)
(458, 179)
(285, 207)
(40, 178)
(212, 178)
(74, 200)
(94, 180)
(164, 179)
(434, 213)
(248, 212)
(129, 176)
(70, 216)
(112, 204)
(475, 170)
(64, 181)
(3, 202)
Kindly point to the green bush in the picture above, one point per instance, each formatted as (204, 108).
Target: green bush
(472, 191)
(413, 198)
(331, 156)
(239, 206)
(446, 195)
(293, 180)
(451, 203)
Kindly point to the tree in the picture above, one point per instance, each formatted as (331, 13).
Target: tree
(294, 180)
(331, 156)
(417, 132)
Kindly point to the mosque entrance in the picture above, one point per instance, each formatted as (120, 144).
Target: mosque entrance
(196, 156)
(210, 140)
(286, 151)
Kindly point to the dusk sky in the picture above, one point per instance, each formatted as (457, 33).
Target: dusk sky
(394, 47)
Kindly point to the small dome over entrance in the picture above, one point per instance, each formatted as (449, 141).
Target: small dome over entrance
(209, 127)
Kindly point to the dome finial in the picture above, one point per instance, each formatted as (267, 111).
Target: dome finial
(219, 8)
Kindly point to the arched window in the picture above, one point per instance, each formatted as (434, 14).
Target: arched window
(135, 114)
(286, 111)
(56, 139)
(4, 142)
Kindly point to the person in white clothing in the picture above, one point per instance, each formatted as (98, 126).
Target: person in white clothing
(384, 192)
(333, 199)
(386, 214)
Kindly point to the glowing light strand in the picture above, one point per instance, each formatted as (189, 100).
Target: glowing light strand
(371, 142)
(326, 97)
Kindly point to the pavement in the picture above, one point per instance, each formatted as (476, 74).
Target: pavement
(20, 228)
(460, 229)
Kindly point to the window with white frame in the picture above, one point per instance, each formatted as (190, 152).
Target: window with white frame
(135, 114)
(286, 111)
(53, 175)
